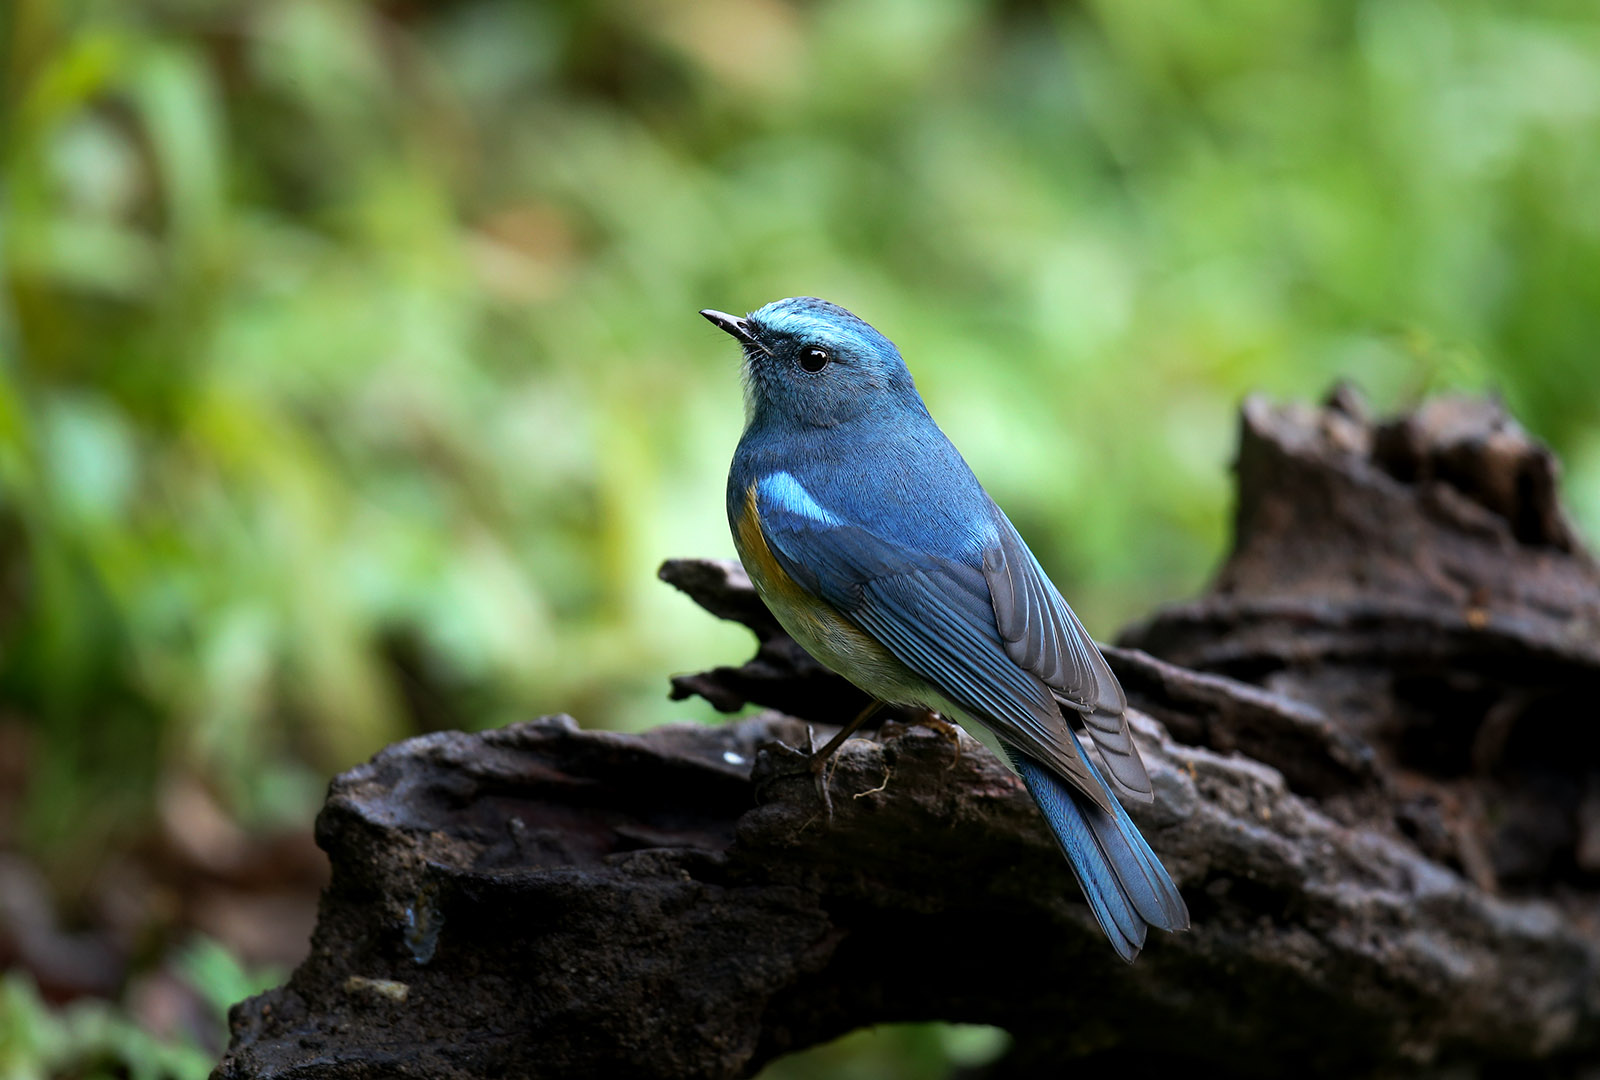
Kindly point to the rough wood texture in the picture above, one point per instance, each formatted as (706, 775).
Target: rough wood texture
(1389, 836)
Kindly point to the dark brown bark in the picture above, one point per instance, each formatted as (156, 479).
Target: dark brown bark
(1371, 745)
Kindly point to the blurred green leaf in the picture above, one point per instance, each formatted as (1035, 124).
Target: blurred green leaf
(219, 977)
(83, 1040)
(895, 1052)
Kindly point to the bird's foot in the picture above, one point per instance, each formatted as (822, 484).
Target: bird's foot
(819, 758)
(951, 732)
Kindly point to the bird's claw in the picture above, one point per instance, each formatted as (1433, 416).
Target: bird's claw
(950, 732)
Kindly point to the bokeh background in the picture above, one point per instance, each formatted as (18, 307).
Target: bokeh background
(351, 383)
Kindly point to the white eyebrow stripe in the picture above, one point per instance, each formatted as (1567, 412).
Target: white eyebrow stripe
(788, 493)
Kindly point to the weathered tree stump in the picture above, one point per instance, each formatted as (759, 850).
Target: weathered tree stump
(1371, 745)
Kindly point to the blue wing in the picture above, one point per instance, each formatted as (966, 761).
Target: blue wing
(1043, 635)
(998, 641)
(935, 614)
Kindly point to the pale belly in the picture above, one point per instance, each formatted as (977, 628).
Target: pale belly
(845, 650)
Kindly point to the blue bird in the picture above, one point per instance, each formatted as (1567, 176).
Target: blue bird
(876, 548)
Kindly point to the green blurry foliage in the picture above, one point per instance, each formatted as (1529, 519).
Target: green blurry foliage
(90, 1040)
(350, 376)
(895, 1052)
(93, 1040)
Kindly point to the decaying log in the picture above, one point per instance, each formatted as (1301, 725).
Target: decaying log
(1418, 581)
(1370, 744)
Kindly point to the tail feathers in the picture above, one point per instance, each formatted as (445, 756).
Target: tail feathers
(1159, 901)
(1127, 887)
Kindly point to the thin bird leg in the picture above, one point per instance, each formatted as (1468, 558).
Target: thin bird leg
(819, 758)
(845, 732)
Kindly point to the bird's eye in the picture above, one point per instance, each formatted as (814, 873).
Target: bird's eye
(814, 359)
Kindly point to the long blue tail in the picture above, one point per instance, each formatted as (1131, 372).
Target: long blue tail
(1127, 887)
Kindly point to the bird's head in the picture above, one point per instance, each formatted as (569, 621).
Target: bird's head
(813, 364)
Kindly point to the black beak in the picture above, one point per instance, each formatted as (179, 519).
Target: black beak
(732, 324)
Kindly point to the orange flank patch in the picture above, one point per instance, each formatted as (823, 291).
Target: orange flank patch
(768, 575)
(832, 639)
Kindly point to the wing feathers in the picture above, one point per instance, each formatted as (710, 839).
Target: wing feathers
(940, 627)
(1042, 635)
(1114, 740)
(996, 640)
